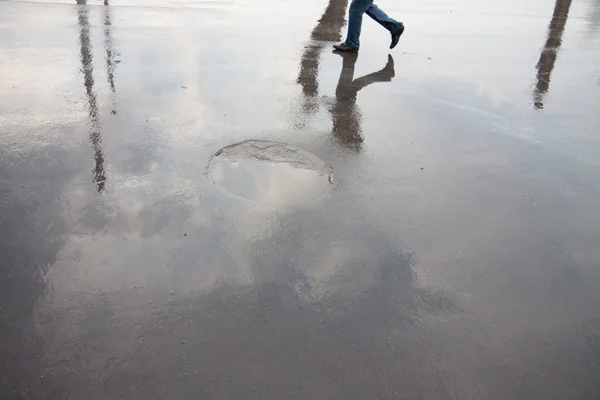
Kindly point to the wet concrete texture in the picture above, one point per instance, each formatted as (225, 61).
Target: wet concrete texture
(201, 200)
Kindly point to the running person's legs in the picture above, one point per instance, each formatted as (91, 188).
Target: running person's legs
(394, 27)
(383, 19)
(357, 9)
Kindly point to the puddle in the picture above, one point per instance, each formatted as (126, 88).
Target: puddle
(270, 172)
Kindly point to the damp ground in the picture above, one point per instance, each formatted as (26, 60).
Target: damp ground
(425, 226)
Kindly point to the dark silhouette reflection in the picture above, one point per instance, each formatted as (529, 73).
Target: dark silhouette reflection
(345, 115)
(548, 57)
(328, 28)
(109, 47)
(87, 68)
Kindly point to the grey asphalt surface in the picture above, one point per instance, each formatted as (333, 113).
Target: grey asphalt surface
(199, 200)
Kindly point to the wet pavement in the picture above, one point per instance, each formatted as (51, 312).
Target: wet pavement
(200, 200)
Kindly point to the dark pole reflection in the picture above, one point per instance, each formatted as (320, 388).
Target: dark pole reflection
(328, 28)
(548, 57)
(87, 68)
(345, 115)
(109, 47)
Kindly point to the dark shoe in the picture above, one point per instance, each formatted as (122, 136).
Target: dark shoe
(344, 47)
(396, 36)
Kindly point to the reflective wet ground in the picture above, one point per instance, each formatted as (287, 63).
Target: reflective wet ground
(200, 200)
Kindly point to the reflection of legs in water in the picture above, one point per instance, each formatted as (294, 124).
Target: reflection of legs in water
(345, 114)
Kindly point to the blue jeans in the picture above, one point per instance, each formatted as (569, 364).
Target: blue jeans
(357, 9)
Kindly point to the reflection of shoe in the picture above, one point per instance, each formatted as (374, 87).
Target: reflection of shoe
(389, 67)
(396, 36)
(345, 47)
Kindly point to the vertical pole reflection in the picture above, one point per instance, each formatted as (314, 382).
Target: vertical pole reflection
(328, 28)
(549, 54)
(87, 68)
(109, 58)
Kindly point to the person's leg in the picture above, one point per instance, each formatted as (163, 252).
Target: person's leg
(383, 19)
(357, 9)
